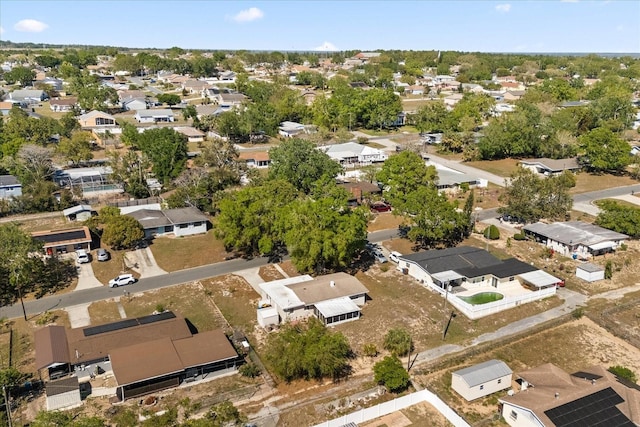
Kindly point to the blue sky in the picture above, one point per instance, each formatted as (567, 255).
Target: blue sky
(488, 26)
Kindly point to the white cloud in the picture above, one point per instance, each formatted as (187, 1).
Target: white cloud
(30, 26)
(569, 1)
(326, 47)
(504, 8)
(1, 30)
(248, 15)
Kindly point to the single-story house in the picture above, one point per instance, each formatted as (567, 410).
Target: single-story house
(229, 99)
(135, 104)
(256, 159)
(360, 191)
(550, 397)
(334, 298)
(125, 349)
(550, 167)
(590, 272)
(291, 129)
(354, 153)
(574, 104)
(55, 83)
(195, 86)
(575, 238)
(63, 241)
(453, 99)
(451, 180)
(62, 105)
(154, 116)
(414, 90)
(27, 96)
(95, 119)
(192, 134)
(9, 187)
(482, 379)
(179, 222)
(63, 394)
(91, 181)
(78, 213)
(513, 95)
(5, 107)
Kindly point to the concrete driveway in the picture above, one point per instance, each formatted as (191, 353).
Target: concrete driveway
(86, 278)
(143, 262)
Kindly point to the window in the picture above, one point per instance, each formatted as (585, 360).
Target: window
(482, 387)
(513, 415)
(499, 380)
(511, 279)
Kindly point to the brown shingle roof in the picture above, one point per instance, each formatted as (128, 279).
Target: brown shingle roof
(51, 346)
(320, 289)
(144, 361)
(204, 348)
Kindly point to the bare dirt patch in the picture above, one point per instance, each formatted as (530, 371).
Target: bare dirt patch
(104, 312)
(289, 268)
(269, 273)
(502, 167)
(235, 299)
(384, 221)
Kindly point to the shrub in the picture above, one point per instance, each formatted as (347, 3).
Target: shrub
(608, 270)
(519, 236)
(492, 232)
(390, 373)
(370, 350)
(623, 372)
(398, 342)
(249, 370)
(577, 313)
(160, 308)
(362, 140)
(46, 318)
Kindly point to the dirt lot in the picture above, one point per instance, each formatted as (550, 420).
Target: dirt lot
(177, 253)
(383, 221)
(269, 273)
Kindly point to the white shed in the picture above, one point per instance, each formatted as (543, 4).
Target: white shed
(63, 394)
(590, 272)
(482, 379)
(268, 316)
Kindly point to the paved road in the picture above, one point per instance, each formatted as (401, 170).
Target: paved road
(84, 296)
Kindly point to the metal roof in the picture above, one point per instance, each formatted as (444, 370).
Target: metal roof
(336, 307)
(590, 268)
(574, 233)
(539, 278)
(483, 372)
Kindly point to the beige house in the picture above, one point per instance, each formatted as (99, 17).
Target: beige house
(481, 380)
(94, 119)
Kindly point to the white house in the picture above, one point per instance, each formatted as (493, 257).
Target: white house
(77, 213)
(179, 222)
(154, 116)
(576, 239)
(551, 167)
(134, 104)
(354, 153)
(334, 298)
(590, 272)
(481, 380)
(9, 187)
(291, 129)
(550, 397)
(192, 134)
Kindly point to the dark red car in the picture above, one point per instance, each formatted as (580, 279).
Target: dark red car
(380, 207)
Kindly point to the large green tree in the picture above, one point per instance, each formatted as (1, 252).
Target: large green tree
(300, 163)
(23, 75)
(390, 373)
(77, 148)
(620, 218)
(603, 151)
(92, 95)
(167, 150)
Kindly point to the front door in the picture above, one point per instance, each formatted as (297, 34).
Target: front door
(494, 282)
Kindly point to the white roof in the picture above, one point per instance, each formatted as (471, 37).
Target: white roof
(539, 278)
(336, 307)
(348, 149)
(602, 245)
(446, 276)
(76, 209)
(161, 112)
(281, 294)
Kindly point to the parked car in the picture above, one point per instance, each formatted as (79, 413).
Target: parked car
(395, 256)
(102, 255)
(380, 207)
(122, 280)
(560, 284)
(379, 256)
(82, 256)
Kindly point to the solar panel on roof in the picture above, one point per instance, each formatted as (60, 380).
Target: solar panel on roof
(109, 327)
(595, 410)
(586, 375)
(62, 236)
(156, 317)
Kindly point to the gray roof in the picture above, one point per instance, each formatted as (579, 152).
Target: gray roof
(483, 372)
(150, 218)
(574, 233)
(160, 112)
(26, 93)
(590, 268)
(184, 215)
(554, 165)
(8, 180)
(449, 178)
(76, 209)
(64, 385)
(457, 258)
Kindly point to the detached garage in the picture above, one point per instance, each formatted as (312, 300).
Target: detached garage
(63, 394)
(590, 272)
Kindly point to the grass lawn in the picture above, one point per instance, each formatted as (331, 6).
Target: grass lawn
(383, 221)
(45, 111)
(235, 299)
(102, 312)
(591, 182)
(269, 273)
(58, 222)
(289, 268)
(178, 253)
(107, 270)
(502, 167)
(415, 104)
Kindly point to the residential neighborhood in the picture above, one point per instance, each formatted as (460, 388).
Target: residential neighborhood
(316, 237)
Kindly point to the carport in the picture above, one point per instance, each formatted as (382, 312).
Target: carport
(538, 279)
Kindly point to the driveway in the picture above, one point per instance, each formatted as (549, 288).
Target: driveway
(86, 278)
(143, 262)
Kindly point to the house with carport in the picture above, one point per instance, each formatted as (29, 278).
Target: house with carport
(333, 298)
(352, 153)
(64, 241)
(551, 167)
(465, 274)
(575, 239)
(482, 379)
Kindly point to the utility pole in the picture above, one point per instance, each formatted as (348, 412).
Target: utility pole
(7, 405)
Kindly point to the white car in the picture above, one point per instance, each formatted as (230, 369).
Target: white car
(82, 256)
(122, 280)
(379, 256)
(395, 256)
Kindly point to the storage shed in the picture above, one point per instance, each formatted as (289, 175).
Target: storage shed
(590, 272)
(481, 380)
(268, 316)
(63, 394)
